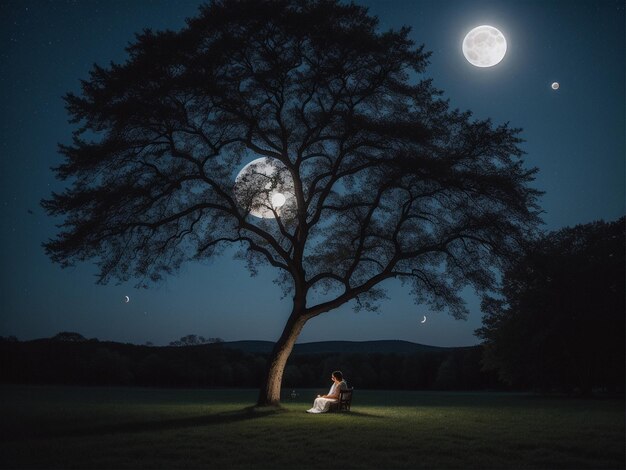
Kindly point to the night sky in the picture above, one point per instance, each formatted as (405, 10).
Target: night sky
(574, 135)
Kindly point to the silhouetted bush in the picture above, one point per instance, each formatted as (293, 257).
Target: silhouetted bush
(69, 336)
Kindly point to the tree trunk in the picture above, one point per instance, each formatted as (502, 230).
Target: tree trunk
(269, 394)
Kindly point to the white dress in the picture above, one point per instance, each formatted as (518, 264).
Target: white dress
(322, 405)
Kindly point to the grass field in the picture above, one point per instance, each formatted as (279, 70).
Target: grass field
(79, 427)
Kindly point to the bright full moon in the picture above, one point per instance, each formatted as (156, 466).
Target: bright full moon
(484, 46)
(264, 186)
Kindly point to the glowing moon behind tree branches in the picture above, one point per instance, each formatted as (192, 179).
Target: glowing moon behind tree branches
(278, 200)
(484, 46)
(264, 187)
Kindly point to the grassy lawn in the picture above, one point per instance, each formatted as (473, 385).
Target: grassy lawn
(79, 427)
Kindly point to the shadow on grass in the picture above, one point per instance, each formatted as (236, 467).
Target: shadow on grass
(358, 414)
(245, 414)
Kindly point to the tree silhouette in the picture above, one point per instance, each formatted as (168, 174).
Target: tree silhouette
(368, 174)
(69, 336)
(559, 323)
(195, 340)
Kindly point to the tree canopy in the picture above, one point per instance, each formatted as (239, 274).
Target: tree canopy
(384, 180)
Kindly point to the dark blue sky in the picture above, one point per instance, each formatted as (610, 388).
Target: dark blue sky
(575, 136)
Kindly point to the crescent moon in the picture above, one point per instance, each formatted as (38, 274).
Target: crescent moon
(126, 299)
(424, 320)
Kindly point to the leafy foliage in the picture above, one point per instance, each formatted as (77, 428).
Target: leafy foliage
(389, 182)
(560, 320)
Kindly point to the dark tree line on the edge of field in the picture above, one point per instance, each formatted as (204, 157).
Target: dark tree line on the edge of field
(91, 362)
(559, 323)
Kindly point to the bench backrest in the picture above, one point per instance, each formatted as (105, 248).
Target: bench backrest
(345, 399)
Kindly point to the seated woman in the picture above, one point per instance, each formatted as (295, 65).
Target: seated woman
(322, 402)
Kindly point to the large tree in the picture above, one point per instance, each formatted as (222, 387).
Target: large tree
(559, 321)
(382, 179)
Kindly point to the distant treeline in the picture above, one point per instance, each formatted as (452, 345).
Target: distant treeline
(557, 324)
(91, 362)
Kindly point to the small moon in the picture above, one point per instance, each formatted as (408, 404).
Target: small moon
(555, 85)
(424, 320)
(126, 299)
(484, 46)
(278, 200)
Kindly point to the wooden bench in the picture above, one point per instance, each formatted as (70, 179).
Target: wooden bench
(345, 400)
